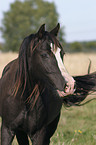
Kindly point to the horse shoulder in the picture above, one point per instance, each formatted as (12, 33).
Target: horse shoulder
(9, 66)
(7, 81)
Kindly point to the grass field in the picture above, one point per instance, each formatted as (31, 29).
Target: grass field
(77, 125)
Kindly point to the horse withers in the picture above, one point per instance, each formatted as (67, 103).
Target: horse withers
(31, 90)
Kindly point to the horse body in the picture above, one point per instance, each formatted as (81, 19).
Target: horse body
(31, 91)
(20, 118)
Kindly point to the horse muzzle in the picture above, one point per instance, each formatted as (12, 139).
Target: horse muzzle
(68, 90)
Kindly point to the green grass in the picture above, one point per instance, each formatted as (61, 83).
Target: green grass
(77, 126)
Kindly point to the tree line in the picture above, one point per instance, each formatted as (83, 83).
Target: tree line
(25, 17)
(88, 46)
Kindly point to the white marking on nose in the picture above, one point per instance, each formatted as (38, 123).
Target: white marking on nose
(63, 70)
(59, 61)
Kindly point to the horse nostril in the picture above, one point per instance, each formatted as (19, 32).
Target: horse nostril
(65, 87)
(69, 87)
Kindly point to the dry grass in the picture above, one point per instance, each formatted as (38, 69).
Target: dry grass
(77, 63)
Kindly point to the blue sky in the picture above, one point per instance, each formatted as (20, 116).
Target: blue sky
(77, 16)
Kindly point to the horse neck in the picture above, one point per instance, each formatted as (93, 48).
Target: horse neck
(52, 104)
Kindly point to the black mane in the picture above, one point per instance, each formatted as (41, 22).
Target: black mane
(85, 85)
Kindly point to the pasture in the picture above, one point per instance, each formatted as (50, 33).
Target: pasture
(77, 125)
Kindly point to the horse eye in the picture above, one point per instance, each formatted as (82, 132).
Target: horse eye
(45, 55)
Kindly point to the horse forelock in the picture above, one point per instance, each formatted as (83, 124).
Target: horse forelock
(56, 43)
(51, 38)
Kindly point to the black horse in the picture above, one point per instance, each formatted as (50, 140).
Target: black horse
(31, 90)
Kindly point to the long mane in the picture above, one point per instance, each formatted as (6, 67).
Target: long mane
(85, 85)
(22, 75)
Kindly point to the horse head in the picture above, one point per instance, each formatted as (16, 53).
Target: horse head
(41, 56)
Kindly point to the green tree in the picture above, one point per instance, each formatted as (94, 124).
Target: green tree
(76, 46)
(1, 47)
(91, 45)
(25, 17)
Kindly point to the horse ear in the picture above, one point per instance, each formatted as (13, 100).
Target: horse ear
(41, 31)
(55, 30)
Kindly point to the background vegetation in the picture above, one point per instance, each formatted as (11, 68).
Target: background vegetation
(89, 46)
(25, 17)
